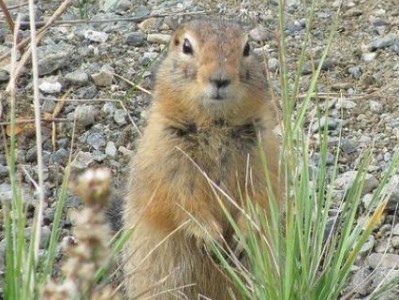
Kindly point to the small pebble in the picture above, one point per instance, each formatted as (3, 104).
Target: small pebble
(135, 39)
(96, 36)
(77, 77)
(318, 125)
(382, 42)
(99, 156)
(110, 149)
(85, 114)
(375, 106)
(158, 38)
(96, 140)
(50, 87)
(355, 71)
(82, 160)
(150, 24)
(368, 57)
(103, 78)
(120, 117)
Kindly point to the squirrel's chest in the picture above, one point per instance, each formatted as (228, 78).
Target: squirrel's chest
(217, 150)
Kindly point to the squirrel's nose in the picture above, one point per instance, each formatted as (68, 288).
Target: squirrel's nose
(219, 81)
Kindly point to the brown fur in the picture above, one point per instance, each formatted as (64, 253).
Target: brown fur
(189, 134)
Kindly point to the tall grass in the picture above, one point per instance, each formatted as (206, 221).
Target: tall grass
(307, 252)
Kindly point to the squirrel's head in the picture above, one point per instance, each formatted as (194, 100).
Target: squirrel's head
(209, 68)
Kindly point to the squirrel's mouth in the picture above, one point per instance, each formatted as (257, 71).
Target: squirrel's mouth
(217, 94)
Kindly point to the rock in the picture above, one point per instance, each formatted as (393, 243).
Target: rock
(395, 230)
(273, 64)
(120, 117)
(158, 38)
(48, 105)
(348, 146)
(395, 47)
(309, 66)
(150, 24)
(50, 87)
(77, 77)
(53, 57)
(361, 281)
(96, 140)
(294, 27)
(392, 189)
(82, 160)
(4, 76)
(395, 242)
(382, 42)
(60, 156)
(112, 5)
(149, 57)
(4, 171)
(258, 34)
(135, 39)
(96, 36)
(368, 57)
(99, 156)
(378, 22)
(346, 180)
(85, 115)
(375, 106)
(367, 246)
(367, 201)
(355, 71)
(387, 156)
(353, 12)
(5, 192)
(339, 86)
(382, 260)
(318, 125)
(103, 78)
(31, 155)
(87, 92)
(330, 158)
(383, 275)
(345, 104)
(110, 149)
(109, 108)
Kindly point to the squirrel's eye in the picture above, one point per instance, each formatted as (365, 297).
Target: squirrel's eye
(187, 47)
(246, 50)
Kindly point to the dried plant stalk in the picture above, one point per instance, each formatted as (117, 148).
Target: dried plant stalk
(88, 251)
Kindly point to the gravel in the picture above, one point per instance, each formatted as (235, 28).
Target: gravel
(358, 82)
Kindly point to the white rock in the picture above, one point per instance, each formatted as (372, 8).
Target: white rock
(110, 149)
(96, 36)
(369, 56)
(375, 106)
(50, 87)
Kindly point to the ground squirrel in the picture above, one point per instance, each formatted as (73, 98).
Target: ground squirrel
(211, 110)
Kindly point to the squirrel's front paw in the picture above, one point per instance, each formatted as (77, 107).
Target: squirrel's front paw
(205, 235)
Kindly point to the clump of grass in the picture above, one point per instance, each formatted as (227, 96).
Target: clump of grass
(306, 252)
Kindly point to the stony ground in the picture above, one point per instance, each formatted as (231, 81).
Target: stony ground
(95, 66)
